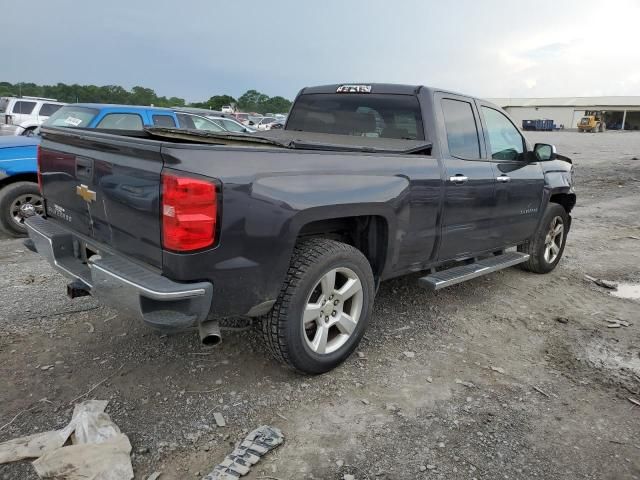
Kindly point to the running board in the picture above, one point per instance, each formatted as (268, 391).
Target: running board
(454, 275)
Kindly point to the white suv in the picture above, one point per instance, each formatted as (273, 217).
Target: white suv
(21, 116)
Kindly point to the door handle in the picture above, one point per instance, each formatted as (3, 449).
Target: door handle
(458, 179)
(503, 178)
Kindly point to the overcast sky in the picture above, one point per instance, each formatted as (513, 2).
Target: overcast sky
(197, 48)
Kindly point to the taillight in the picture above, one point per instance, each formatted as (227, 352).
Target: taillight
(189, 211)
(39, 168)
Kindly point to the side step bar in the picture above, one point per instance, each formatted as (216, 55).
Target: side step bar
(460, 274)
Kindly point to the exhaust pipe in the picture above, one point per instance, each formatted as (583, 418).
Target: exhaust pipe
(210, 333)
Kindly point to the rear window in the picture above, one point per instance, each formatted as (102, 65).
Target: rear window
(71, 116)
(4, 102)
(163, 121)
(48, 109)
(23, 107)
(363, 115)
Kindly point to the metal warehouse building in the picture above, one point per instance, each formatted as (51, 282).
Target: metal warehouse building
(620, 113)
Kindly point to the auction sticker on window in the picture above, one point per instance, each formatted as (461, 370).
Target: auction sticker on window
(73, 121)
(354, 89)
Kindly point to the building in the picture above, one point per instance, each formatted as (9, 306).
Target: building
(619, 112)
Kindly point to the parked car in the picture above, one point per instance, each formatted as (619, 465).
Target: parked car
(297, 228)
(227, 109)
(21, 116)
(197, 122)
(19, 194)
(277, 124)
(264, 123)
(243, 118)
(231, 125)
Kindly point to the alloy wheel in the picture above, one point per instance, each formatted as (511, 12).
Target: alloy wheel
(332, 310)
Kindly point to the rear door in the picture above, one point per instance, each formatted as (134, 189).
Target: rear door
(106, 188)
(469, 180)
(519, 184)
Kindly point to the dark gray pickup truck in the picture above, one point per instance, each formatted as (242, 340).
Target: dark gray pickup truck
(296, 228)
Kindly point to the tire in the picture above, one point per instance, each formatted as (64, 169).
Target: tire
(28, 132)
(15, 200)
(543, 256)
(325, 340)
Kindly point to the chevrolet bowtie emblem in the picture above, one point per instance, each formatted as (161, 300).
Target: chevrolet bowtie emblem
(86, 194)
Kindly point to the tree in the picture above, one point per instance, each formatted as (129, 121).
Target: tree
(250, 101)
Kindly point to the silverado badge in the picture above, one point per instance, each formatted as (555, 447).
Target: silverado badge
(86, 194)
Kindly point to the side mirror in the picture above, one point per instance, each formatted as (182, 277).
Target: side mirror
(544, 152)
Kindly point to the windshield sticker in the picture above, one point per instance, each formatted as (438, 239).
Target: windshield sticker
(354, 89)
(73, 121)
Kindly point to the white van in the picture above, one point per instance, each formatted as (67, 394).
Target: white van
(21, 116)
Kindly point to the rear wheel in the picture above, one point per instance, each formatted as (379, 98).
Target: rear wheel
(19, 201)
(547, 245)
(323, 308)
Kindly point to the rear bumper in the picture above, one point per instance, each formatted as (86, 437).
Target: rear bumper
(121, 283)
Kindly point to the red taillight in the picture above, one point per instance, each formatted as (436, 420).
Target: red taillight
(189, 211)
(39, 169)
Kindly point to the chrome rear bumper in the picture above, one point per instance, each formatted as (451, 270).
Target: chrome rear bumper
(121, 283)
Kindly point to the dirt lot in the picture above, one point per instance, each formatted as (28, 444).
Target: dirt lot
(480, 380)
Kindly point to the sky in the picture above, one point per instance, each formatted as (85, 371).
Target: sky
(198, 48)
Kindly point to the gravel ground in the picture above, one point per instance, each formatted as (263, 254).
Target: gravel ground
(513, 375)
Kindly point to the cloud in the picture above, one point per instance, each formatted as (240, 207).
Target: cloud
(197, 48)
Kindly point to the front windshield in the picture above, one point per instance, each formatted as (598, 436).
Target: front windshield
(71, 116)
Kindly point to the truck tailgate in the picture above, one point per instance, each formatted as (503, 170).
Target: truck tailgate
(106, 188)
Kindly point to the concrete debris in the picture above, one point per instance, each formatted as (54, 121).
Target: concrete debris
(348, 476)
(429, 379)
(154, 476)
(98, 449)
(255, 445)
(498, 369)
(219, 419)
(409, 354)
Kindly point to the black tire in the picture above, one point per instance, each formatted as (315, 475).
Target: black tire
(8, 197)
(537, 246)
(29, 132)
(282, 328)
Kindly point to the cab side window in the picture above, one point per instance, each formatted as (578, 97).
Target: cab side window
(505, 141)
(462, 130)
(121, 121)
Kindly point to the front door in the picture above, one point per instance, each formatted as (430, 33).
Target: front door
(519, 184)
(469, 181)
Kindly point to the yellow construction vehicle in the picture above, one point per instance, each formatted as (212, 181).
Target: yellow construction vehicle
(592, 122)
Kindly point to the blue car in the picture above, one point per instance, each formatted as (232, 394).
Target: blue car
(19, 193)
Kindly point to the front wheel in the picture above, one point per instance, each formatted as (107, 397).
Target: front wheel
(547, 245)
(19, 201)
(323, 308)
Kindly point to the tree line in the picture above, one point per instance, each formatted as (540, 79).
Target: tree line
(250, 101)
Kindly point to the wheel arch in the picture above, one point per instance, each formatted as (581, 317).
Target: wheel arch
(367, 233)
(567, 200)
(20, 177)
